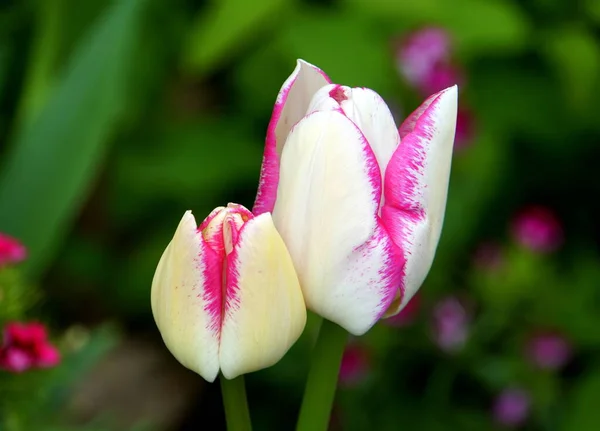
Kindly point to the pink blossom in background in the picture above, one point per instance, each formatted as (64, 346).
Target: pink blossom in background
(511, 407)
(421, 52)
(450, 325)
(549, 351)
(11, 250)
(489, 256)
(465, 129)
(440, 76)
(408, 314)
(538, 229)
(26, 346)
(423, 58)
(355, 365)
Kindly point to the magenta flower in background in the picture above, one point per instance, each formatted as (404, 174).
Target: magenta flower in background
(548, 350)
(11, 250)
(440, 76)
(26, 346)
(511, 407)
(408, 314)
(420, 53)
(465, 129)
(450, 324)
(538, 229)
(355, 365)
(423, 58)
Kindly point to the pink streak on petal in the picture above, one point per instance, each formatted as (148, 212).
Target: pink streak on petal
(392, 271)
(209, 218)
(409, 124)
(403, 209)
(402, 185)
(232, 300)
(212, 291)
(269, 174)
(11, 250)
(338, 94)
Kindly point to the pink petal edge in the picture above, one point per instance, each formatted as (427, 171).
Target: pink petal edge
(269, 174)
(402, 209)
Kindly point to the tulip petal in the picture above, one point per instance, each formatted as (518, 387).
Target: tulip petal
(264, 310)
(326, 212)
(368, 111)
(291, 105)
(185, 303)
(373, 117)
(416, 187)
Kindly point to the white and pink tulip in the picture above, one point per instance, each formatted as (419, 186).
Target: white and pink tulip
(225, 295)
(358, 202)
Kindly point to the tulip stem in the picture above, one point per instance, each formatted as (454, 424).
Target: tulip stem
(237, 414)
(322, 380)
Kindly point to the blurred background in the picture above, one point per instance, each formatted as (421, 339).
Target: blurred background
(117, 116)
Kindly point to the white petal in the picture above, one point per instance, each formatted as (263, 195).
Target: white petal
(368, 111)
(291, 105)
(182, 301)
(265, 312)
(326, 212)
(373, 117)
(294, 98)
(416, 186)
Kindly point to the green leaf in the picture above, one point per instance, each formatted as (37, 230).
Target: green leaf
(226, 25)
(476, 26)
(576, 57)
(582, 411)
(341, 44)
(593, 10)
(482, 27)
(192, 162)
(55, 157)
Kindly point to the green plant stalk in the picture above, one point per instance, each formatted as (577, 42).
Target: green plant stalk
(322, 380)
(237, 414)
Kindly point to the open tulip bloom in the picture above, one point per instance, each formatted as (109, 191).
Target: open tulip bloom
(347, 219)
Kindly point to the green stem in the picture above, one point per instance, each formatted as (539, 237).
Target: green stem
(322, 378)
(236, 407)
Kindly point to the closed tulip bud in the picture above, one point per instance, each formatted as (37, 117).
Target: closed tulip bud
(225, 295)
(359, 203)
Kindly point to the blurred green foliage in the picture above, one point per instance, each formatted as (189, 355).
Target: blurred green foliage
(117, 116)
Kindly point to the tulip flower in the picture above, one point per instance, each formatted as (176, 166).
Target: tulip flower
(359, 203)
(225, 295)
